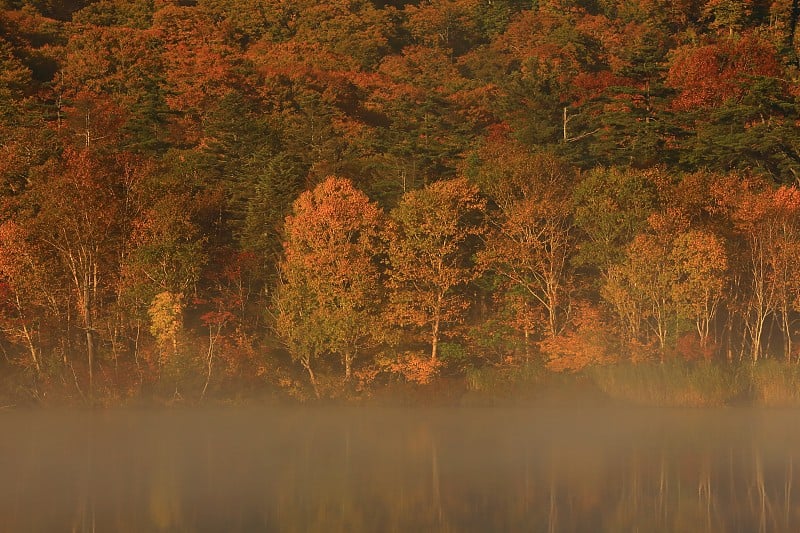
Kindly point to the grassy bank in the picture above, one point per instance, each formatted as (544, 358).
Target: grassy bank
(674, 383)
(775, 383)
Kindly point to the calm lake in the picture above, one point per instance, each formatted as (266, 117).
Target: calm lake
(359, 469)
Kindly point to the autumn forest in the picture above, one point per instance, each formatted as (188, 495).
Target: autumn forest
(224, 200)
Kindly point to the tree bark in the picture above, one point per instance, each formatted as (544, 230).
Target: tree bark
(436, 324)
(87, 322)
(32, 348)
(312, 377)
(787, 332)
(348, 364)
(212, 339)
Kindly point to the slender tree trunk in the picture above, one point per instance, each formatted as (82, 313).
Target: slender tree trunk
(435, 341)
(31, 347)
(83, 268)
(552, 319)
(136, 347)
(348, 364)
(312, 377)
(28, 336)
(787, 332)
(661, 326)
(87, 322)
(702, 331)
(756, 333)
(212, 339)
(756, 328)
(436, 324)
(527, 345)
(90, 357)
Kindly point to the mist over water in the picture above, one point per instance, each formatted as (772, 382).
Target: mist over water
(469, 469)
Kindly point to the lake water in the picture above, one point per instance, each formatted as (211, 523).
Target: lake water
(469, 469)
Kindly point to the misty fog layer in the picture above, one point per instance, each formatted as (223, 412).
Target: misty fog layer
(400, 470)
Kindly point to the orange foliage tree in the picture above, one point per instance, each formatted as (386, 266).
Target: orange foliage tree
(784, 257)
(671, 271)
(765, 225)
(640, 289)
(702, 263)
(531, 241)
(327, 299)
(583, 342)
(78, 222)
(24, 296)
(431, 235)
(198, 63)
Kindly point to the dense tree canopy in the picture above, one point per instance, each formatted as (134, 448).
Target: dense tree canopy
(531, 171)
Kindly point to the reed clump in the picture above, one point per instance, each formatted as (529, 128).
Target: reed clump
(495, 379)
(775, 383)
(673, 383)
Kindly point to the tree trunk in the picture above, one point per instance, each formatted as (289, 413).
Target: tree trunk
(551, 316)
(28, 337)
(435, 341)
(312, 377)
(32, 348)
(212, 338)
(90, 357)
(702, 331)
(436, 323)
(88, 325)
(348, 363)
(527, 345)
(757, 330)
(787, 332)
(661, 328)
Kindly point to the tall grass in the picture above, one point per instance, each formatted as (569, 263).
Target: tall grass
(775, 383)
(674, 383)
(498, 379)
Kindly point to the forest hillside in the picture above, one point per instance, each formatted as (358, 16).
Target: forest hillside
(233, 199)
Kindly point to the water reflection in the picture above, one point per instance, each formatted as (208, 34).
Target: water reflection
(400, 470)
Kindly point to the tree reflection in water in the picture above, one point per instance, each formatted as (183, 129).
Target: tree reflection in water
(400, 470)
